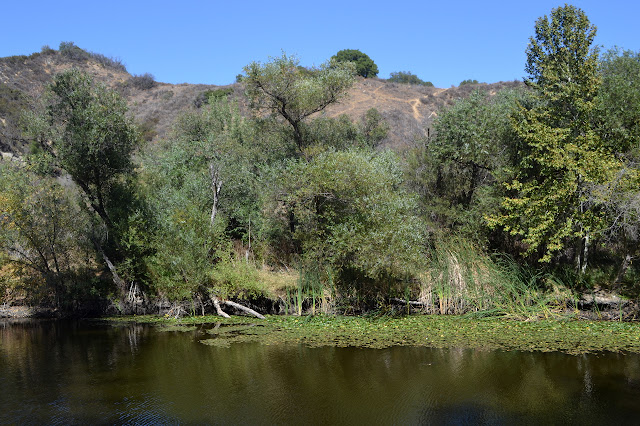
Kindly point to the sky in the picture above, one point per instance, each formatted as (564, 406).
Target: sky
(209, 42)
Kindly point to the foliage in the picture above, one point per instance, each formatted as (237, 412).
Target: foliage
(213, 94)
(468, 81)
(342, 133)
(43, 231)
(365, 67)
(346, 210)
(560, 153)
(279, 87)
(458, 170)
(178, 184)
(406, 77)
(618, 102)
(144, 81)
(69, 50)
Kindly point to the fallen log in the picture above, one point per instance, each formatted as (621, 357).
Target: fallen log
(243, 309)
(219, 311)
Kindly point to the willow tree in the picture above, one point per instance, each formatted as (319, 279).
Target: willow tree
(561, 156)
(285, 89)
(85, 132)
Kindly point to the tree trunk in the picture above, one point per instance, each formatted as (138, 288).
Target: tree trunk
(216, 185)
(120, 284)
(585, 254)
(626, 262)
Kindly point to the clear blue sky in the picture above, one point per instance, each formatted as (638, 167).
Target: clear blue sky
(192, 41)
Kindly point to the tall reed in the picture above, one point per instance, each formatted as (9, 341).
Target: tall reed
(462, 279)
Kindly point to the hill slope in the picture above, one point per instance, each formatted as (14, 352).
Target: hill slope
(408, 109)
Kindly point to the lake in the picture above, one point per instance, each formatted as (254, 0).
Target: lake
(79, 372)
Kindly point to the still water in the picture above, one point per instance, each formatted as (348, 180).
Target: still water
(83, 372)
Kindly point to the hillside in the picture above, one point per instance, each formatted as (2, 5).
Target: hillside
(408, 109)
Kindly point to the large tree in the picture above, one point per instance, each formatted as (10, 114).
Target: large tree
(561, 156)
(365, 67)
(84, 131)
(282, 88)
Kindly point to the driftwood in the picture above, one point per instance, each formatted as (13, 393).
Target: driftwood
(244, 309)
(219, 310)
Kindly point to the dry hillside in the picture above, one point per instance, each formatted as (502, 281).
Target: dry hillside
(408, 109)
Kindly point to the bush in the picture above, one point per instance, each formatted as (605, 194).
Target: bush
(145, 81)
(69, 50)
(108, 62)
(406, 77)
(46, 50)
(208, 95)
(468, 81)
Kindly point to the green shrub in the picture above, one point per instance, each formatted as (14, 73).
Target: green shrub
(406, 77)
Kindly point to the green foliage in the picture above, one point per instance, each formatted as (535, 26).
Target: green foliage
(561, 156)
(69, 50)
(87, 133)
(618, 102)
(342, 133)
(178, 184)
(280, 88)
(212, 95)
(468, 81)
(347, 210)
(406, 77)
(43, 232)
(365, 67)
(457, 172)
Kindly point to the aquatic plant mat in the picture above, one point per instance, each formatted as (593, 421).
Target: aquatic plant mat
(568, 336)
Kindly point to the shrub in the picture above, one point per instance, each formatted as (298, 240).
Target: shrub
(468, 81)
(406, 77)
(214, 94)
(69, 50)
(145, 81)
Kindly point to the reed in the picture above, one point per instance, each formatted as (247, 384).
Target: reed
(461, 279)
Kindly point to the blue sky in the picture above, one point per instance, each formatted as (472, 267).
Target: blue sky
(210, 41)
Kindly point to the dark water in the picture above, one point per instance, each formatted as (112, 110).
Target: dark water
(56, 372)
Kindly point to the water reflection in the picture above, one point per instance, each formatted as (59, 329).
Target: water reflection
(83, 372)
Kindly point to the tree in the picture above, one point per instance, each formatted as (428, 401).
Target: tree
(279, 87)
(365, 67)
(85, 132)
(561, 155)
(457, 171)
(406, 77)
(42, 230)
(346, 210)
(618, 104)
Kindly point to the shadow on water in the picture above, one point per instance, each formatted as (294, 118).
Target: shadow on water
(61, 372)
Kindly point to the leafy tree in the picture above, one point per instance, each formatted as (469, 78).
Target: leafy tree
(281, 89)
(561, 155)
(42, 230)
(85, 132)
(347, 210)
(618, 102)
(406, 77)
(365, 67)
(468, 81)
(458, 169)
(617, 117)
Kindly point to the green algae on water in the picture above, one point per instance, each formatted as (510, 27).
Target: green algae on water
(567, 336)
